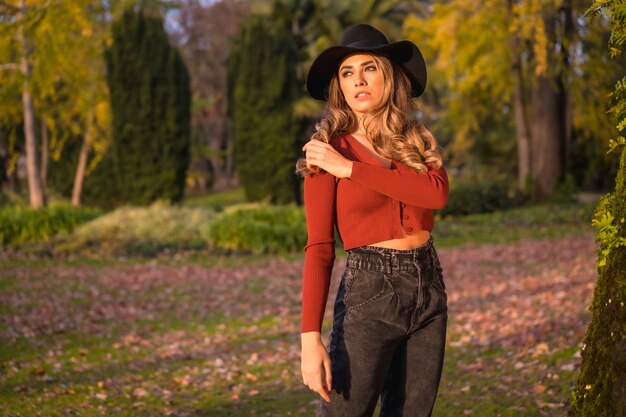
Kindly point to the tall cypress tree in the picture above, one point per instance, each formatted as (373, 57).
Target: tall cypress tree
(150, 102)
(262, 89)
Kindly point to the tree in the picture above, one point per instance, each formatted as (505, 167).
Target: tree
(517, 64)
(23, 18)
(262, 90)
(318, 24)
(74, 102)
(64, 93)
(150, 102)
(205, 34)
(601, 387)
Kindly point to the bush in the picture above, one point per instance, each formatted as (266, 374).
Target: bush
(477, 197)
(20, 225)
(143, 231)
(260, 228)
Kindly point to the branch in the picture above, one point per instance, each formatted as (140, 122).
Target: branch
(7, 9)
(9, 66)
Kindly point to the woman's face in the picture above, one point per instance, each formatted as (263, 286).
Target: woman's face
(361, 82)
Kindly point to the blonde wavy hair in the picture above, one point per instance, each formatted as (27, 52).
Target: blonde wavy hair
(389, 127)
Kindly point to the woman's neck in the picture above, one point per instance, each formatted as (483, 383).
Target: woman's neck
(360, 130)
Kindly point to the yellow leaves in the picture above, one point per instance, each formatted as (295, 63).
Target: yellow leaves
(527, 24)
(102, 113)
(540, 48)
(465, 40)
(436, 38)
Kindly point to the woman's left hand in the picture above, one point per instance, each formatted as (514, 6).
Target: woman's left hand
(324, 156)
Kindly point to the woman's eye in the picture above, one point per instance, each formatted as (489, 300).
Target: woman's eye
(346, 73)
(370, 68)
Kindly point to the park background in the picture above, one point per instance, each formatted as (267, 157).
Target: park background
(151, 221)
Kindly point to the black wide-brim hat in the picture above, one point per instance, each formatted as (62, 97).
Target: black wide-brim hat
(366, 39)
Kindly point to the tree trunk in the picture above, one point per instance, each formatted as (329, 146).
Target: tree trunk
(79, 177)
(521, 135)
(220, 182)
(547, 137)
(45, 150)
(34, 179)
(9, 177)
(230, 157)
(569, 34)
(4, 160)
(520, 110)
(223, 164)
(521, 121)
(224, 167)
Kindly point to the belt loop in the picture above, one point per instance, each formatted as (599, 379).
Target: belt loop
(388, 261)
(431, 256)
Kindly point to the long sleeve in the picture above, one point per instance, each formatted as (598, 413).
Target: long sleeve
(320, 210)
(427, 190)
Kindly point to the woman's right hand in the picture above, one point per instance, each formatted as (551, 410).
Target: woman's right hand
(315, 365)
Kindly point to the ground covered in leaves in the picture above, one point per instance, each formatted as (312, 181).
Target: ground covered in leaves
(167, 339)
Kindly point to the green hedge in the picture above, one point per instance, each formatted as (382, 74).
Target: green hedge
(477, 197)
(260, 228)
(20, 225)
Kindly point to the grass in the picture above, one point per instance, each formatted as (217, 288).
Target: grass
(217, 201)
(124, 374)
(93, 375)
(160, 342)
(528, 222)
(500, 388)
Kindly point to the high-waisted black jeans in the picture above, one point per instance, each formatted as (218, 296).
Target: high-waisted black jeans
(388, 335)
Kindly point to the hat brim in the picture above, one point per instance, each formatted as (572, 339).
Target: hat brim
(405, 53)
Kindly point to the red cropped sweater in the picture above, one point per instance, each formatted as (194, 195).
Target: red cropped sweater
(375, 204)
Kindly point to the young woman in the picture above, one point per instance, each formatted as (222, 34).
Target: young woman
(375, 174)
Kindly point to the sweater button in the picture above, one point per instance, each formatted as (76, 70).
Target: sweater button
(402, 205)
(406, 217)
(409, 229)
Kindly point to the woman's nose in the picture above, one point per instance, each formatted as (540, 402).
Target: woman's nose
(359, 81)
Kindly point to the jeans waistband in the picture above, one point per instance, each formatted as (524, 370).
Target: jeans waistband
(374, 258)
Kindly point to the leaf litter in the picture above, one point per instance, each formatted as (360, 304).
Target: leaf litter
(233, 331)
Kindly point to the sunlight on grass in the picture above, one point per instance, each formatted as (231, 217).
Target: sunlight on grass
(140, 230)
(218, 200)
(529, 222)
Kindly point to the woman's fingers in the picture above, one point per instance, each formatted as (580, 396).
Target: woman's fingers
(328, 374)
(324, 156)
(315, 365)
(318, 386)
(315, 382)
(324, 394)
(317, 146)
